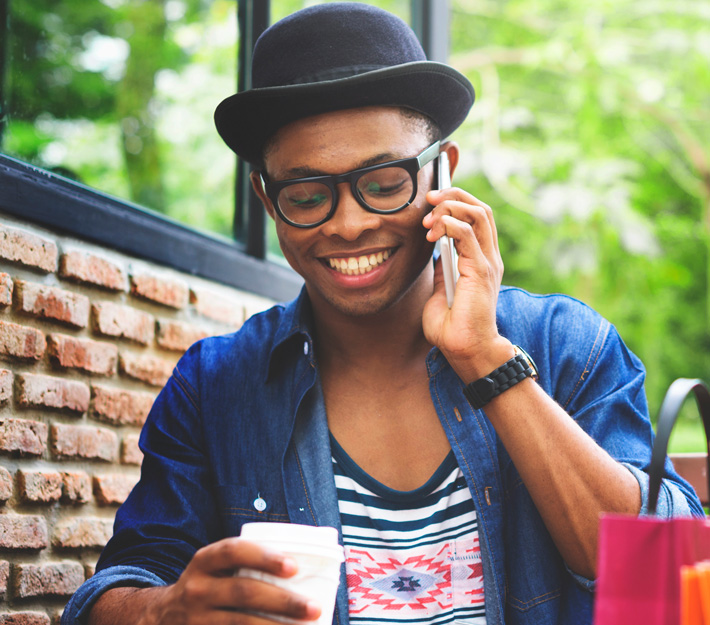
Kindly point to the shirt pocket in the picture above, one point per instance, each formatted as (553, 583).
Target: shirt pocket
(239, 504)
(533, 563)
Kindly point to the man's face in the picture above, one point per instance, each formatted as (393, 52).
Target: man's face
(389, 252)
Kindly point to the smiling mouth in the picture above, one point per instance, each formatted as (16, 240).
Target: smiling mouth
(358, 265)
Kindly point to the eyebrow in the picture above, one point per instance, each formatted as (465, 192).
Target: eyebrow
(308, 172)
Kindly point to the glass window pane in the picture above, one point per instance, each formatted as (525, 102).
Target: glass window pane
(119, 95)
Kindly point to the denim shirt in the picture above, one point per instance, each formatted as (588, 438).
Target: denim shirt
(243, 418)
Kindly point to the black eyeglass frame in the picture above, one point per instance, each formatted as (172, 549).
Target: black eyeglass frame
(412, 165)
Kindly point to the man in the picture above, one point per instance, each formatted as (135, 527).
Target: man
(466, 483)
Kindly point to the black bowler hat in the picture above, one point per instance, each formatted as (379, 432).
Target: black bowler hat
(336, 56)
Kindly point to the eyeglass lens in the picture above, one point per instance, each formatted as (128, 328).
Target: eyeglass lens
(385, 189)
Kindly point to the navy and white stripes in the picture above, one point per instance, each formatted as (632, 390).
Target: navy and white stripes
(411, 557)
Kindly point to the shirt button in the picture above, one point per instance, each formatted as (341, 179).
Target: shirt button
(305, 348)
(260, 504)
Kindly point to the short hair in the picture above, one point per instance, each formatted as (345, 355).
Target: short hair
(430, 127)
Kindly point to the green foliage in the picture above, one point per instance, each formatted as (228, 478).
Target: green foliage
(120, 94)
(588, 138)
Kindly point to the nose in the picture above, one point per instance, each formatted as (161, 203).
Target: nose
(350, 220)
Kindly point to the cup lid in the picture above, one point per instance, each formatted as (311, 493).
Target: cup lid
(291, 533)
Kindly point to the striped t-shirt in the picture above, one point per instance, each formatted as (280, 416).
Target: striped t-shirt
(410, 557)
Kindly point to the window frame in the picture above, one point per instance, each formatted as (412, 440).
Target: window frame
(50, 200)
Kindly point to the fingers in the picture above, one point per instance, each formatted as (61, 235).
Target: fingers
(209, 586)
(466, 208)
(231, 554)
(245, 594)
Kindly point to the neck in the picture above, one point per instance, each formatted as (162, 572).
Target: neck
(390, 338)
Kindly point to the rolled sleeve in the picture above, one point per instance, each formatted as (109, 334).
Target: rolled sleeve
(78, 609)
(672, 502)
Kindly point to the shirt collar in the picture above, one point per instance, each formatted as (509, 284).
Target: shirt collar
(294, 335)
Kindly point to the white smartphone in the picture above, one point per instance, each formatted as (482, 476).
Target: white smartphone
(449, 257)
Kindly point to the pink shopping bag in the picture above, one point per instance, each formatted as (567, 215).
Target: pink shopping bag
(640, 557)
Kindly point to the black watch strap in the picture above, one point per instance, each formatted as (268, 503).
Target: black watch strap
(519, 367)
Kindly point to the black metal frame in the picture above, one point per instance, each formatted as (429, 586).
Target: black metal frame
(249, 216)
(67, 207)
(4, 47)
(50, 200)
(430, 21)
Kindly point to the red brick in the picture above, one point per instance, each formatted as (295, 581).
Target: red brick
(23, 531)
(40, 486)
(81, 441)
(146, 368)
(170, 292)
(92, 269)
(83, 532)
(23, 436)
(119, 406)
(4, 576)
(52, 579)
(18, 341)
(130, 452)
(51, 302)
(5, 484)
(113, 488)
(178, 335)
(76, 487)
(224, 309)
(24, 618)
(85, 354)
(5, 289)
(5, 385)
(29, 249)
(44, 391)
(121, 321)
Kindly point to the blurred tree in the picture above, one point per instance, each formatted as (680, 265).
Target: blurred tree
(589, 138)
(149, 52)
(97, 62)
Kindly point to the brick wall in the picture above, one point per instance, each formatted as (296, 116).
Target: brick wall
(87, 339)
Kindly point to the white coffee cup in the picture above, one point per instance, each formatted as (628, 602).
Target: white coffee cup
(318, 555)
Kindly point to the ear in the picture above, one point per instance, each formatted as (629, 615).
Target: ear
(452, 149)
(258, 187)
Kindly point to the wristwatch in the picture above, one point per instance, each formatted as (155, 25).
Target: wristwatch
(519, 367)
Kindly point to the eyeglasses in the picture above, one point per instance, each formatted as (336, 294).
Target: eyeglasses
(384, 188)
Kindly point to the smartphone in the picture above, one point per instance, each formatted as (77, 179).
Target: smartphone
(449, 257)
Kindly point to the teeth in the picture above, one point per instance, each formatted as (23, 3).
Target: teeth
(358, 265)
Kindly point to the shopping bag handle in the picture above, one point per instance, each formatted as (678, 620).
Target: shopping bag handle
(672, 403)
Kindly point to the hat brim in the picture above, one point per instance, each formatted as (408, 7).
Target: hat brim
(247, 120)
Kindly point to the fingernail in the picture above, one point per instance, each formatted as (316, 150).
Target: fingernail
(288, 565)
(313, 608)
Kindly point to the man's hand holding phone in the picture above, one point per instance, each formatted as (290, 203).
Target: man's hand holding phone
(464, 326)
